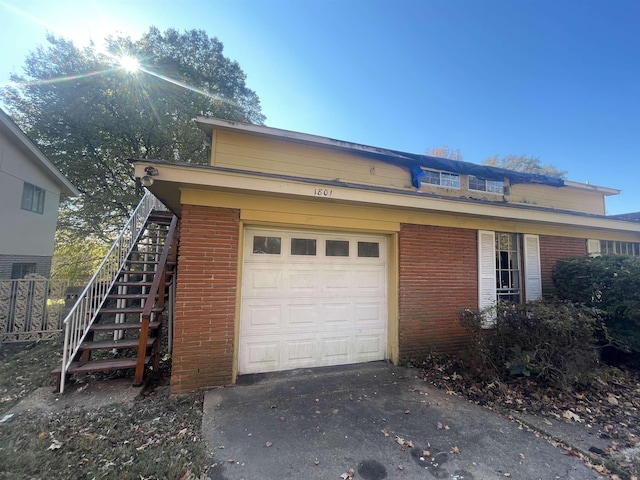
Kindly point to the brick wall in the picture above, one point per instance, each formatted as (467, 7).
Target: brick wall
(43, 264)
(205, 298)
(438, 279)
(554, 248)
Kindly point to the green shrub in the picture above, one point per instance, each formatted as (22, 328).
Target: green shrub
(552, 341)
(610, 283)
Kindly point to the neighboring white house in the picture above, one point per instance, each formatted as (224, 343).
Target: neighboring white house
(30, 190)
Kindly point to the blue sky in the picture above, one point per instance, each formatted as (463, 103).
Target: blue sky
(558, 79)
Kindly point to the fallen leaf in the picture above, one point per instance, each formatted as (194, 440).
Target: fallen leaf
(522, 456)
(385, 432)
(407, 412)
(569, 415)
(268, 444)
(42, 435)
(405, 444)
(506, 474)
(426, 453)
(455, 450)
(400, 467)
(440, 426)
(55, 445)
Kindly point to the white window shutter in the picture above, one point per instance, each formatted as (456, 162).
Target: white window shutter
(486, 269)
(593, 247)
(533, 277)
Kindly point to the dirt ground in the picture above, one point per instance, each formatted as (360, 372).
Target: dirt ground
(610, 404)
(96, 430)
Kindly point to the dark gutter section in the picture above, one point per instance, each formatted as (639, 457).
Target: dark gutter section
(629, 217)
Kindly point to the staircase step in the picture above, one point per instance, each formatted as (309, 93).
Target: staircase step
(102, 365)
(109, 345)
(138, 284)
(109, 327)
(127, 310)
(130, 296)
(146, 262)
(137, 272)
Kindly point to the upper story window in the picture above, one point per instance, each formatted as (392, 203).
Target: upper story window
(32, 198)
(444, 179)
(482, 185)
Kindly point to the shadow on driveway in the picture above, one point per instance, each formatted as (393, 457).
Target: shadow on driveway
(377, 419)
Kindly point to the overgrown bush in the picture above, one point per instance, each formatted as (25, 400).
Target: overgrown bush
(610, 283)
(551, 340)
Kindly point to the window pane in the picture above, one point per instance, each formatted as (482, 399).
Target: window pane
(476, 183)
(32, 198)
(450, 180)
(268, 245)
(337, 248)
(431, 177)
(27, 196)
(303, 246)
(495, 186)
(21, 270)
(369, 249)
(507, 267)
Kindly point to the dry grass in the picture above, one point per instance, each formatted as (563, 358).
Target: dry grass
(155, 438)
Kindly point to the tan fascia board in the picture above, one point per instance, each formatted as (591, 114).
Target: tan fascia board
(592, 188)
(12, 129)
(212, 178)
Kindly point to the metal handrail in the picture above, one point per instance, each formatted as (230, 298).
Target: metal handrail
(87, 306)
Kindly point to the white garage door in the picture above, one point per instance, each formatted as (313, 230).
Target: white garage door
(311, 299)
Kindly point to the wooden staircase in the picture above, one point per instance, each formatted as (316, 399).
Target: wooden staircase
(126, 331)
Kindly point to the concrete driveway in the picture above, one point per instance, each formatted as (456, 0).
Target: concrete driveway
(377, 419)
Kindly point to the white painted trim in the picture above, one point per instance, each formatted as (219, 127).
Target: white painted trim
(486, 270)
(532, 273)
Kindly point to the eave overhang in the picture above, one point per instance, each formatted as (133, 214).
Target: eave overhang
(173, 178)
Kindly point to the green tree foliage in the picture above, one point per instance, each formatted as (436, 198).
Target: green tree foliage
(610, 283)
(90, 115)
(522, 163)
(76, 259)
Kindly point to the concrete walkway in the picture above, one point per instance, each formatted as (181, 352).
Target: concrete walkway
(376, 419)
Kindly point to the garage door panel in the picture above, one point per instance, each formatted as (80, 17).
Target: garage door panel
(260, 316)
(311, 310)
(368, 346)
(300, 315)
(303, 282)
(299, 352)
(261, 356)
(370, 281)
(337, 313)
(334, 350)
(368, 313)
(264, 279)
(337, 280)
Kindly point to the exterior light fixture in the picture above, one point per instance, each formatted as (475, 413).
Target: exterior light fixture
(147, 180)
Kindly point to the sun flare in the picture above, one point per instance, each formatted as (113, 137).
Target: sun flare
(129, 63)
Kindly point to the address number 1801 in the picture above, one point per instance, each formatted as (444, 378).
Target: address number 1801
(323, 192)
